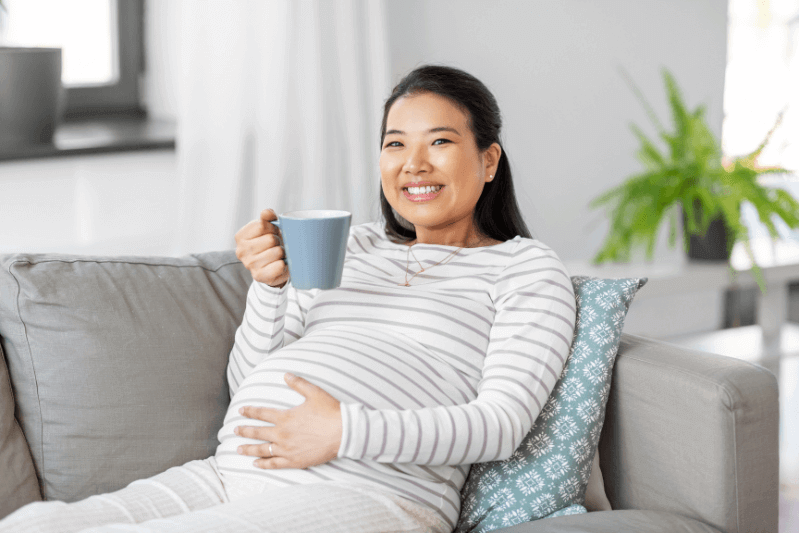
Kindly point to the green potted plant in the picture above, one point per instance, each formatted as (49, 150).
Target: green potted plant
(30, 87)
(691, 173)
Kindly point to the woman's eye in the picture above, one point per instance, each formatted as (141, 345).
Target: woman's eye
(442, 140)
(392, 144)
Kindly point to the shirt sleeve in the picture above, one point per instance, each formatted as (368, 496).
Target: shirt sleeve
(273, 318)
(528, 347)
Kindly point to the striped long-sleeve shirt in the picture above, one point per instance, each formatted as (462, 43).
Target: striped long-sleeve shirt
(433, 377)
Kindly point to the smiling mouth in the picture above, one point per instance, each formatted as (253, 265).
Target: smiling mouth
(421, 194)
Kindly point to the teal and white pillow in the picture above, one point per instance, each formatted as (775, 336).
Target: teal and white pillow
(547, 475)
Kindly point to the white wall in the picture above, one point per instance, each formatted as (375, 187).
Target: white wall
(553, 67)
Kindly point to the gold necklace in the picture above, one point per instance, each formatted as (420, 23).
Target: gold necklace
(444, 261)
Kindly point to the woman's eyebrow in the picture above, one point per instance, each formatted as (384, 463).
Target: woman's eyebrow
(432, 130)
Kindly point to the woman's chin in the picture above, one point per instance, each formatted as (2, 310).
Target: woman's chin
(419, 221)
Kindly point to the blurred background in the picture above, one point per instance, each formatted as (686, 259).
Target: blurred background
(177, 121)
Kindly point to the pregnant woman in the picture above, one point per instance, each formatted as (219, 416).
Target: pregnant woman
(361, 408)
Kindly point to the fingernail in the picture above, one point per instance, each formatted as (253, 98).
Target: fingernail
(236, 430)
(241, 410)
(290, 375)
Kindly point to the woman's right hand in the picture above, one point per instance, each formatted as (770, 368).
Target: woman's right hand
(258, 247)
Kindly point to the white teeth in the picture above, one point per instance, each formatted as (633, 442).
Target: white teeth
(424, 190)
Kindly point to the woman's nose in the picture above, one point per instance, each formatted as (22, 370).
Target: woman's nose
(416, 161)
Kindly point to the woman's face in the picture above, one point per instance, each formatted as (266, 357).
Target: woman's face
(428, 143)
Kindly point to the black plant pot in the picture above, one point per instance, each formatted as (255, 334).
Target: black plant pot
(30, 87)
(713, 246)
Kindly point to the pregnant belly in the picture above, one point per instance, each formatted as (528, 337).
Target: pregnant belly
(352, 366)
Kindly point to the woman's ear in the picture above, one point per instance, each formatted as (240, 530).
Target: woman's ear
(491, 160)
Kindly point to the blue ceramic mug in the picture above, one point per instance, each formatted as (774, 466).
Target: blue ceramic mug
(315, 243)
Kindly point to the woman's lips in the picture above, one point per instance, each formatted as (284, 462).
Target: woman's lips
(424, 197)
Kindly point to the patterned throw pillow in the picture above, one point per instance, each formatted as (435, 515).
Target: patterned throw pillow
(547, 475)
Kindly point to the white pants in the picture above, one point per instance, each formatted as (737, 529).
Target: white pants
(195, 498)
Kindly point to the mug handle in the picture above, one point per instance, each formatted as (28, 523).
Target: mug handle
(277, 224)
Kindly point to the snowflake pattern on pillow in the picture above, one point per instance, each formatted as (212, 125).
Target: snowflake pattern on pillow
(547, 475)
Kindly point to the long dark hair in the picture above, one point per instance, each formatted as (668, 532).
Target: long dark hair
(497, 214)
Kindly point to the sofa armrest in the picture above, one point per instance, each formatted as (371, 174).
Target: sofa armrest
(614, 522)
(692, 433)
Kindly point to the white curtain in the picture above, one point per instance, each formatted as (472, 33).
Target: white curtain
(280, 106)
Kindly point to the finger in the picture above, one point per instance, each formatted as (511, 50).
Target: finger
(268, 215)
(266, 218)
(256, 249)
(304, 387)
(255, 450)
(252, 229)
(260, 263)
(257, 433)
(254, 259)
(263, 242)
(273, 463)
(275, 273)
(265, 414)
(265, 257)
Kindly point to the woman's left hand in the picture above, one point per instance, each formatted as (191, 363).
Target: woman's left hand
(306, 435)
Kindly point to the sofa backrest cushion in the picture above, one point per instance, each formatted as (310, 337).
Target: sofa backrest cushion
(19, 485)
(88, 338)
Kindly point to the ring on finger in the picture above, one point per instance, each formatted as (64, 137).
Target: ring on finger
(270, 450)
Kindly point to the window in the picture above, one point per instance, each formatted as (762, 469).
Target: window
(102, 49)
(761, 81)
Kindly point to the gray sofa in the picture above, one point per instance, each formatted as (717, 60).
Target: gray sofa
(114, 369)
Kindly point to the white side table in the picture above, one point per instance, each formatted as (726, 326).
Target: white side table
(781, 260)
(688, 297)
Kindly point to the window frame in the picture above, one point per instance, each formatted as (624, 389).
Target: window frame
(120, 99)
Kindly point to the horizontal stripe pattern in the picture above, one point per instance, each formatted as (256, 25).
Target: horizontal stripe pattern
(433, 377)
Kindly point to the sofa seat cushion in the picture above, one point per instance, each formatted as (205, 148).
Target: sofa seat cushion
(19, 485)
(118, 364)
(614, 522)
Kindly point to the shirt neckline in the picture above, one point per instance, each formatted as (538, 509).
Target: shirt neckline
(430, 246)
